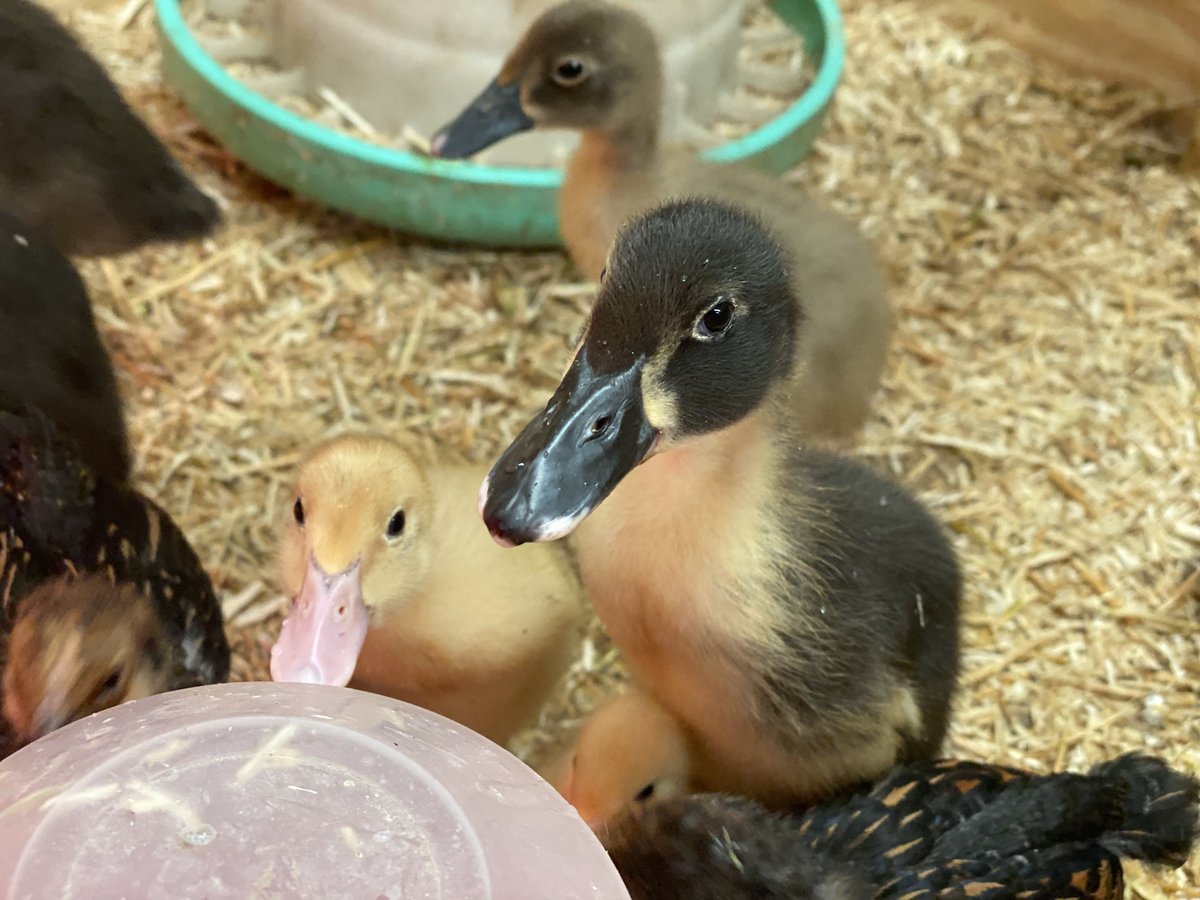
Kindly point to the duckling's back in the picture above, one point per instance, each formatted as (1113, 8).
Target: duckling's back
(61, 517)
(51, 355)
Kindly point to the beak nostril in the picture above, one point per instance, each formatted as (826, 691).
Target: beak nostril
(341, 611)
(600, 426)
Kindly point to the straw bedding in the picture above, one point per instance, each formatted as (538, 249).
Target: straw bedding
(1042, 395)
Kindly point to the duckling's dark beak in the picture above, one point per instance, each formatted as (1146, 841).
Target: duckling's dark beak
(592, 433)
(490, 117)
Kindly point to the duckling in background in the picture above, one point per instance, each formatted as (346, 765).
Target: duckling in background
(630, 751)
(797, 613)
(399, 592)
(58, 519)
(51, 356)
(933, 829)
(595, 67)
(86, 173)
(80, 645)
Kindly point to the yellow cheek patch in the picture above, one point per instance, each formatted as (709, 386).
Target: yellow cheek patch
(658, 401)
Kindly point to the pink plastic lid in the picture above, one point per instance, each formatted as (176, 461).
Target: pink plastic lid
(286, 790)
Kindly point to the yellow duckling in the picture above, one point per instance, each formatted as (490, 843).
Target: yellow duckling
(629, 752)
(398, 591)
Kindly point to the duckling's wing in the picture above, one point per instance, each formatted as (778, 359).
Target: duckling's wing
(144, 545)
(898, 821)
(1038, 813)
(1081, 871)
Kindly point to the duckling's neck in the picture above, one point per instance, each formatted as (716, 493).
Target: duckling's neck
(632, 147)
(675, 525)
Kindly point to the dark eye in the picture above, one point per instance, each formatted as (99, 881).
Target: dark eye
(600, 426)
(298, 511)
(645, 793)
(396, 525)
(716, 321)
(111, 683)
(569, 72)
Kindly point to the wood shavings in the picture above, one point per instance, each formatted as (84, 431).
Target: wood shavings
(1048, 316)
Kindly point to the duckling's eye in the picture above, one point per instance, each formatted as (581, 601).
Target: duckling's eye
(716, 321)
(298, 511)
(395, 525)
(111, 683)
(645, 793)
(569, 72)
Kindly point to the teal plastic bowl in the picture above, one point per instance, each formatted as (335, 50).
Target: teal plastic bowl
(453, 200)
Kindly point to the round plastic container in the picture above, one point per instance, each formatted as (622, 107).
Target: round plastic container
(286, 790)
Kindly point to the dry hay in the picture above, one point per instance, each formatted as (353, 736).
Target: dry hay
(1042, 396)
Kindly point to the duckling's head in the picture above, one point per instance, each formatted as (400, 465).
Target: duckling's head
(352, 552)
(694, 323)
(586, 64)
(79, 646)
(630, 752)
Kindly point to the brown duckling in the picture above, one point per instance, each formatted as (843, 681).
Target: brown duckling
(933, 829)
(630, 751)
(399, 592)
(51, 356)
(595, 67)
(86, 172)
(80, 645)
(795, 611)
(135, 602)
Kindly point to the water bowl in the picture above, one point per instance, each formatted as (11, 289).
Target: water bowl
(286, 790)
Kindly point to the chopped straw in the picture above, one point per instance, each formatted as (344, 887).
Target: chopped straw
(1042, 396)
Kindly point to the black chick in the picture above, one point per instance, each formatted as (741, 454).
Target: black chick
(76, 162)
(51, 356)
(58, 519)
(932, 829)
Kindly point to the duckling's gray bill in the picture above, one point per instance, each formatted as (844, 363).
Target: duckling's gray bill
(592, 433)
(493, 115)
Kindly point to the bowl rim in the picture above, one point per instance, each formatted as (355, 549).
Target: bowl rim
(805, 108)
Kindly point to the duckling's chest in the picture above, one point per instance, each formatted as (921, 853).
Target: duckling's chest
(681, 579)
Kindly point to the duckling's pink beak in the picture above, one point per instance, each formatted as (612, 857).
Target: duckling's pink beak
(321, 638)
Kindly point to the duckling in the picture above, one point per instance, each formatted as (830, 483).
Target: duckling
(934, 829)
(51, 356)
(629, 751)
(86, 173)
(797, 613)
(59, 519)
(595, 67)
(399, 592)
(81, 645)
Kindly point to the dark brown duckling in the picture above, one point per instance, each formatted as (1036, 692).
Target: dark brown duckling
(595, 67)
(934, 829)
(51, 356)
(80, 645)
(797, 613)
(76, 163)
(57, 518)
